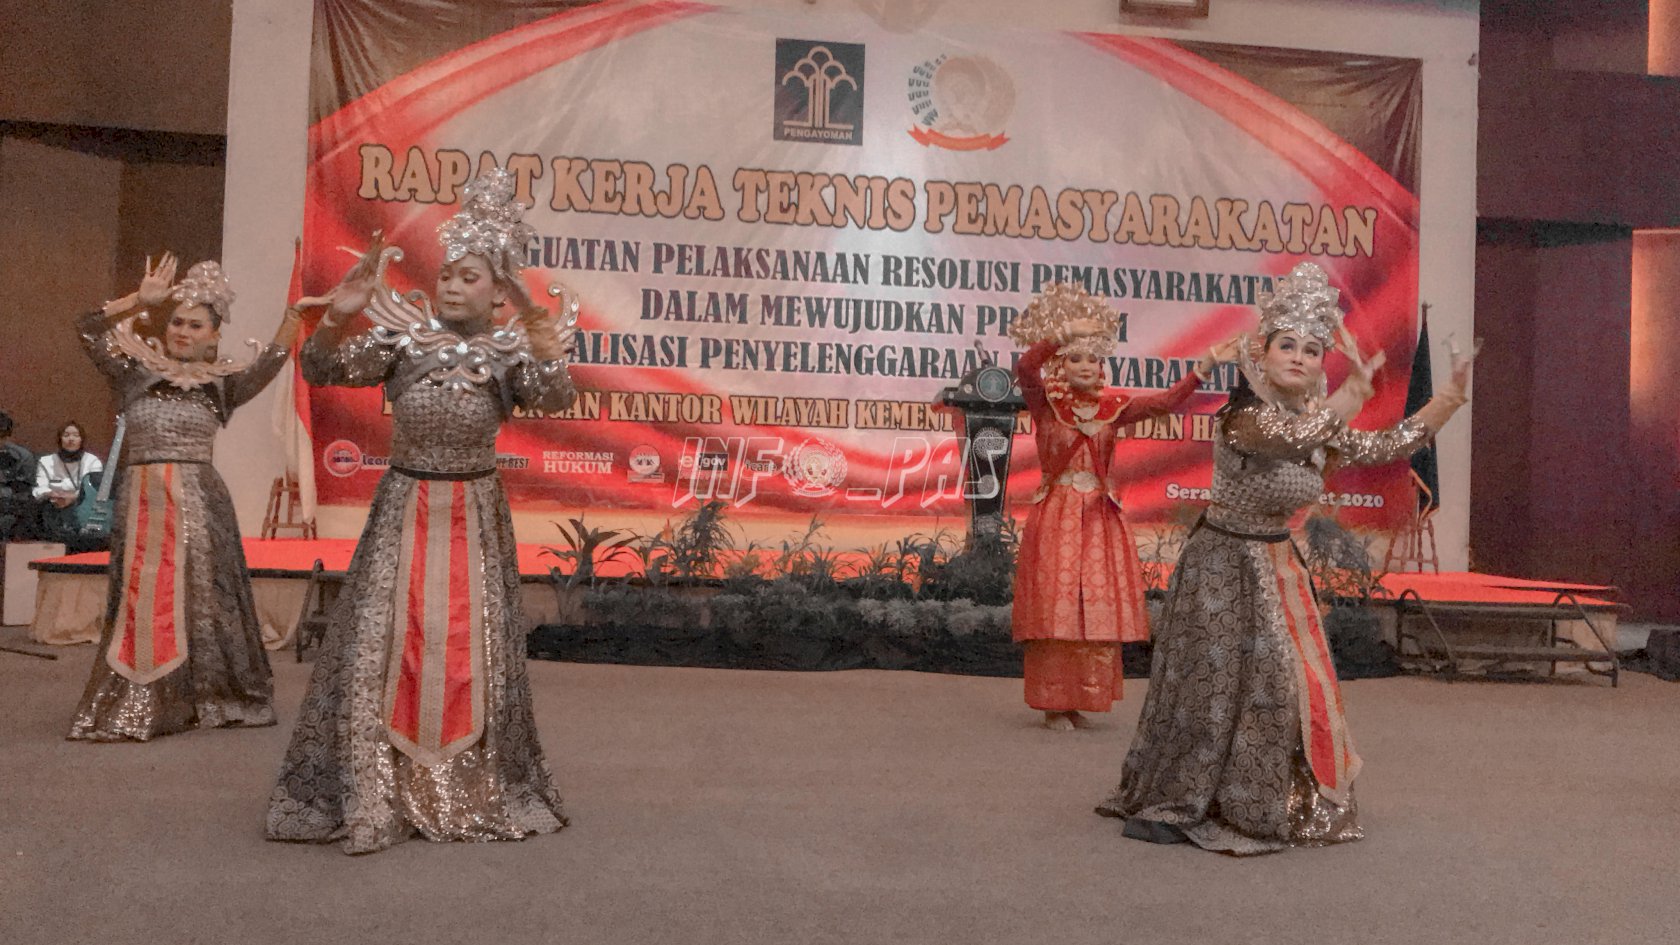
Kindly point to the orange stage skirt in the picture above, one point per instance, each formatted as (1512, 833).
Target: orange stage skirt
(1064, 676)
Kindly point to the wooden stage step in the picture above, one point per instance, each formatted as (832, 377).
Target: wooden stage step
(1523, 654)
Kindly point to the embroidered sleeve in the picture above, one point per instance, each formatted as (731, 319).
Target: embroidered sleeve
(240, 388)
(1376, 447)
(541, 385)
(1264, 430)
(1029, 373)
(1165, 402)
(95, 333)
(361, 361)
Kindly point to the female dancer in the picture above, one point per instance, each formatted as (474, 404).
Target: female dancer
(182, 647)
(418, 715)
(1078, 583)
(1242, 746)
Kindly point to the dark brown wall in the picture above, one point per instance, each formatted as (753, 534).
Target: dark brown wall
(1581, 147)
(1552, 408)
(112, 135)
(160, 65)
(169, 206)
(1652, 488)
(61, 236)
(1500, 533)
(1578, 397)
(82, 215)
(1567, 484)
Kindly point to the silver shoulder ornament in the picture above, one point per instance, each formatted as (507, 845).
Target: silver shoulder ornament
(407, 323)
(149, 353)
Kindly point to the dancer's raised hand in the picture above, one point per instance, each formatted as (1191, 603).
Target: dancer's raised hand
(1458, 382)
(157, 283)
(1223, 353)
(1081, 328)
(354, 290)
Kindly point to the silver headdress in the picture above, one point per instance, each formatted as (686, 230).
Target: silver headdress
(1303, 302)
(204, 284)
(488, 224)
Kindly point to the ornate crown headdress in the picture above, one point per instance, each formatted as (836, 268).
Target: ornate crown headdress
(488, 224)
(1303, 302)
(204, 284)
(1060, 304)
(1047, 318)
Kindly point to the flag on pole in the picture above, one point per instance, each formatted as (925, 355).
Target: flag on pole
(291, 408)
(1418, 391)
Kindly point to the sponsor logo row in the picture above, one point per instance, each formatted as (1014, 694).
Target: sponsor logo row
(813, 468)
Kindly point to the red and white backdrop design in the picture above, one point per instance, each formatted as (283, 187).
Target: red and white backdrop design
(788, 234)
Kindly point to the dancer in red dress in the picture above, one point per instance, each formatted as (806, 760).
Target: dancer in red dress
(1078, 583)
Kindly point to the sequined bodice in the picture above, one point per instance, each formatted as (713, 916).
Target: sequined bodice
(435, 429)
(166, 423)
(1259, 493)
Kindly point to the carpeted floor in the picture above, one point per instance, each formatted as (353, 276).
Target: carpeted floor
(868, 807)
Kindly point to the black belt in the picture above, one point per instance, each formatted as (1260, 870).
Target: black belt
(1270, 538)
(443, 476)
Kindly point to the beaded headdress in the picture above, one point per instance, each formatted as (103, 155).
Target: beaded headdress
(488, 224)
(1303, 302)
(1060, 304)
(204, 284)
(1047, 318)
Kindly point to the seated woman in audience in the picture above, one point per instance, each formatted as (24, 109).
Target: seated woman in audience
(67, 481)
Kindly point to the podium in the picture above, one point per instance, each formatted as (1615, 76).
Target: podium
(987, 400)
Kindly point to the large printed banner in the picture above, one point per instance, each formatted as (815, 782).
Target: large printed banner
(789, 233)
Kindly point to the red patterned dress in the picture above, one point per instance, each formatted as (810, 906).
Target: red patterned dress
(1078, 583)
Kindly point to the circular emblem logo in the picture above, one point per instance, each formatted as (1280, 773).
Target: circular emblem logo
(991, 444)
(993, 383)
(342, 458)
(960, 103)
(814, 468)
(973, 96)
(644, 464)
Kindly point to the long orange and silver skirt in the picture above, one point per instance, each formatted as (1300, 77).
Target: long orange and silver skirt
(181, 646)
(434, 694)
(150, 638)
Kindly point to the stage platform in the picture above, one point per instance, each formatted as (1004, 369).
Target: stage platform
(70, 597)
(1466, 587)
(1463, 622)
(70, 593)
(737, 808)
